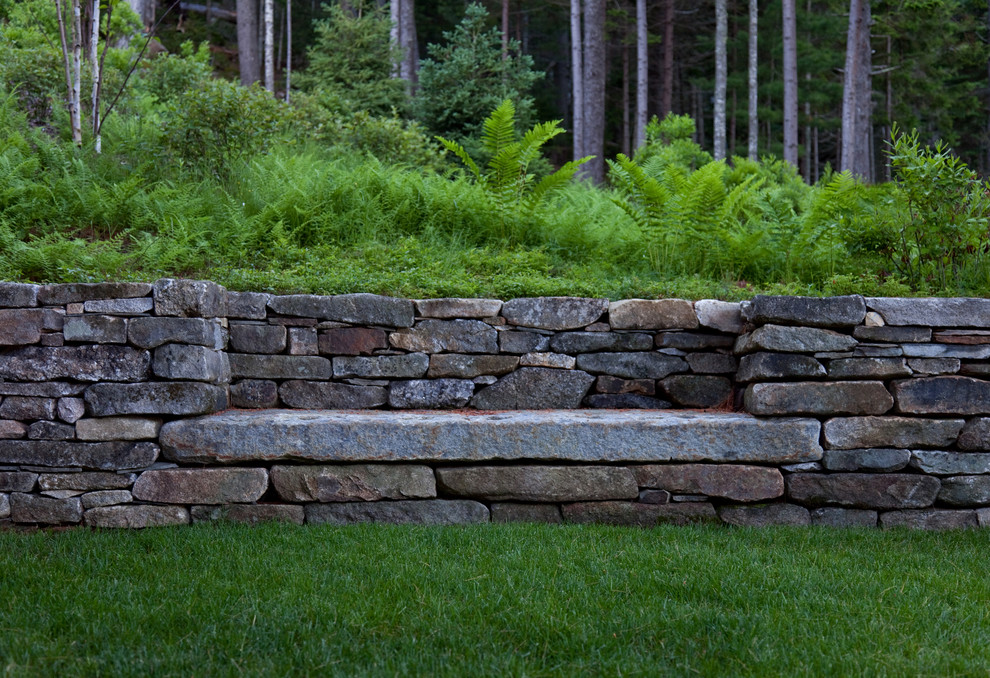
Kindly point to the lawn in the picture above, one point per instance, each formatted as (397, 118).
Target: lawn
(494, 600)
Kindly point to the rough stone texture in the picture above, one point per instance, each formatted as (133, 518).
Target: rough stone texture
(525, 513)
(254, 394)
(118, 428)
(559, 361)
(469, 366)
(906, 432)
(247, 305)
(54, 389)
(125, 307)
(70, 293)
(353, 482)
(198, 363)
(352, 341)
(931, 519)
(322, 395)
(767, 366)
(18, 295)
(942, 395)
(106, 498)
(654, 496)
(724, 316)
(303, 341)
(970, 337)
(201, 486)
(554, 313)
(841, 517)
(807, 311)
(455, 336)
(863, 490)
(84, 363)
(86, 481)
(693, 341)
(108, 456)
(878, 460)
(32, 508)
(247, 366)
(535, 388)
(411, 366)
(539, 483)
(777, 338)
(981, 370)
(19, 327)
(607, 384)
(251, 514)
(764, 515)
(70, 410)
(730, 481)
(17, 481)
(978, 352)
(868, 368)
(585, 436)
(11, 430)
(4, 506)
(638, 515)
(934, 366)
(522, 342)
(166, 397)
(136, 516)
(647, 314)
(97, 329)
(712, 363)
(694, 391)
(249, 338)
(153, 332)
(975, 434)
(819, 398)
(965, 491)
(932, 312)
(50, 430)
(359, 309)
(626, 401)
(944, 463)
(25, 408)
(189, 298)
(590, 342)
(899, 335)
(458, 308)
(631, 365)
(424, 512)
(425, 394)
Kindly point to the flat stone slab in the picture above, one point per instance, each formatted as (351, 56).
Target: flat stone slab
(819, 398)
(813, 311)
(109, 456)
(353, 482)
(360, 309)
(932, 312)
(864, 490)
(136, 516)
(554, 313)
(425, 512)
(560, 435)
(639, 515)
(539, 483)
(728, 481)
(846, 433)
(201, 485)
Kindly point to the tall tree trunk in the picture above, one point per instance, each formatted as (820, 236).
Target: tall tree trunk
(77, 40)
(505, 29)
(577, 80)
(288, 48)
(395, 16)
(626, 106)
(247, 41)
(721, 73)
(270, 45)
(667, 83)
(145, 9)
(642, 72)
(790, 83)
(407, 41)
(94, 48)
(856, 93)
(754, 123)
(594, 88)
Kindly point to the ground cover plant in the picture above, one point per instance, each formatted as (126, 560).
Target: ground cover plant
(494, 600)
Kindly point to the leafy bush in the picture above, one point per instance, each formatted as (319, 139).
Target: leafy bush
(670, 142)
(168, 76)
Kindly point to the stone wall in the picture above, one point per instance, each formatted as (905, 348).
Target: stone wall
(134, 404)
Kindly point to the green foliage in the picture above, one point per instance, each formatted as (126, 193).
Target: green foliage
(351, 61)
(669, 142)
(168, 76)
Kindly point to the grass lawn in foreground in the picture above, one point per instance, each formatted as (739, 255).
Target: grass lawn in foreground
(494, 600)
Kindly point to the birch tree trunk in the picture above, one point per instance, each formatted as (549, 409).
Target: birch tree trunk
(75, 110)
(721, 73)
(594, 88)
(667, 86)
(754, 122)
(790, 82)
(288, 48)
(407, 41)
(270, 45)
(394, 15)
(94, 48)
(856, 93)
(642, 73)
(505, 29)
(247, 41)
(577, 80)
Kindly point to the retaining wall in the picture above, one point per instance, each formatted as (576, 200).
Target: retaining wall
(134, 404)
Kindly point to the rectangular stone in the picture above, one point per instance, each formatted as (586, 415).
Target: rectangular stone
(17, 481)
(247, 305)
(843, 517)
(942, 395)
(360, 309)
(84, 363)
(896, 335)
(201, 486)
(776, 338)
(651, 314)
(806, 311)
(20, 327)
(303, 341)
(189, 298)
(423, 512)
(411, 366)
(163, 397)
(458, 308)
(153, 332)
(26, 408)
(257, 338)
(136, 516)
(18, 295)
(461, 366)
(808, 397)
(963, 337)
(863, 490)
(932, 311)
(352, 341)
(196, 363)
(118, 428)
(86, 481)
(637, 514)
(246, 366)
(97, 329)
(978, 352)
(900, 432)
(69, 293)
(250, 514)
(124, 307)
(31, 508)
(107, 456)
(538, 483)
(728, 481)
(353, 482)
(53, 389)
(106, 498)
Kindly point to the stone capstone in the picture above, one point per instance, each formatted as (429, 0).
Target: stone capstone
(932, 312)
(153, 332)
(322, 395)
(650, 314)
(807, 311)
(458, 308)
(201, 486)
(426, 394)
(863, 490)
(975, 434)
(164, 397)
(554, 313)
(904, 432)
(71, 293)
(189, 298)
(359, 309)
(945, 463)
(777, 338)
(250, 514)
(84, 363)
(247, 366)
(352, 341)
(763, 515)
(942, 395)
(109, 456)
(538, 483)
(423, 512)
(353, 482)
(818, 398)
(136, 516)
(18, 295)
(772, 366)
(631, 365)
(878, 460)
(696, 391)
(591, 342)
(965, 491)
(930, 519)
(454, 336)
(724, 316)
(257, 338)
(410, 366)
(247, 305)
(469, 366)
(32, 508)
(118, 428)
(198, 363)
(535, 388)
(120, 306)
(728, 481)
(637, 514)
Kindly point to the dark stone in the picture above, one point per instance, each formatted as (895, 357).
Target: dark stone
(175, 398)
(17, 481)
(198, 363)
(895, 335)
(50, 430)
(136, 516)
(136, 306)
(109, 456)
(777, 338)
(607, 384)
(352, 341)
(554, 313)
(11, 430)
(469, 366)
(538, 483)
(631, 365)
(303, 341)
(868, 368)
(771, 366)
(247, 366)
(981, 370)
(423, 512)
(625, 401)
(323, 395)
(863, 490)
(879, 460)
(807, 311)
(25, 408)
(962, 352)
(153, 332)
(975, 434)
(525, 513)
(71, 410)
(906, 432)
(249, 338)
(945, 463)
(931, 367)
(189, 298)
(828, 398)
(71, 293)
(639, 515)
(250, 514)
(942, 395)
(712, 363)
(654, 496)
(535, 388)
(522, 342)
(930, 519)
(693, 341)
(764, 515)
(54, 389)
(728, 481)
(105, 498)
(19, 327)
(842, 517)
(359, 309)
(354, 482)
(31, 508)
(18, 295)
(424, 394)
(965, 491)
(97, 329)
(458, 308)
(201, 486)
(932, 312)
(247, 305)
(86, 481)
(118, 428)
(410, 366)
(85, 363)
(697, 391)
(589, 342)
(254, 394)
(455, 336)
(966, 337)
(652, 314)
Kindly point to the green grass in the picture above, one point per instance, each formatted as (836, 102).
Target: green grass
(494, 601)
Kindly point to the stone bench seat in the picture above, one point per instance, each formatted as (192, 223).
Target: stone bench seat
(549, 435)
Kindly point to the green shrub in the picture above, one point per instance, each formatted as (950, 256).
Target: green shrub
(167, 76)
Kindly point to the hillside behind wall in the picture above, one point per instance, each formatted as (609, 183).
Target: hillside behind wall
(135, 404)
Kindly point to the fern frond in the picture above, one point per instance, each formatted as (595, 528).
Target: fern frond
(499, 128)
(553, 182)
(459, 151)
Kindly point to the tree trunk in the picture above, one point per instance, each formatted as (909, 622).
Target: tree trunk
(790, 83)
(288, 48)
(407, 41)
(247, 41)
(594, 88)
(754, 123)
(667, 85)
(76, 108)
(270, 45)
(394, 15)
(721, 73)
(642, 72)
(94, 48)
(505, 29)
(626, 106)
(577, 80)
(856, 93)
(145, 9)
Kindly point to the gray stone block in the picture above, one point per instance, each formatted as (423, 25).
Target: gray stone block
(780, 339)
(4, 506)
(724, 316)
(256, 338)
(863, 490)
(591, 342)
(807, 311)
(558, 361)
(18, 295)
(303, 341)
(19, 327)
(50, 430)
(625, 401)
(153, 332)
(842, 517)
(638, 515)
(522, 342)
(71, 293)
(455, 336)
(255, 393)
(250, 514)
(118, 428)
(525, 513)
(170, 397)
(352, 341)
(728, 481)
(964, 352)
(554, 313)
(123, 307)
(934, 366)
(421, 394)
(201, 486)
(712, 363)
(411, 366)
(246, 366)
(763, 515)
(693, 341)
(965, 491)
(106, 498)
(944, 463)
(773, 366)
(53, 389)
(423, 512)
(247, 305)
(27, 408)
(70, 410)
(538, 483)
(631, 365)
(868, 368)
(697, 391)
(460, 366)
(975, 434)
(86, 481)
(109, 456)
(458, 308)
(136, 516)
(11, 430)
(535, 388)
(652, 314)
(96, 329)
(196, 363)
(942, 395)
(906, 432)
(897, 335)
(878, 460)
(323, 395)
(353, 482)
(32, 508)
(932, 312)
(607, 384)
(930, 519)
(189, 298)
(359, 309)
(818, 398)
(17, 481)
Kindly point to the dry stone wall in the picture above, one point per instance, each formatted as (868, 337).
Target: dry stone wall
(138, 404)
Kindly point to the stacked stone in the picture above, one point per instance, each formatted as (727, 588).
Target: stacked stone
(900, 387)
